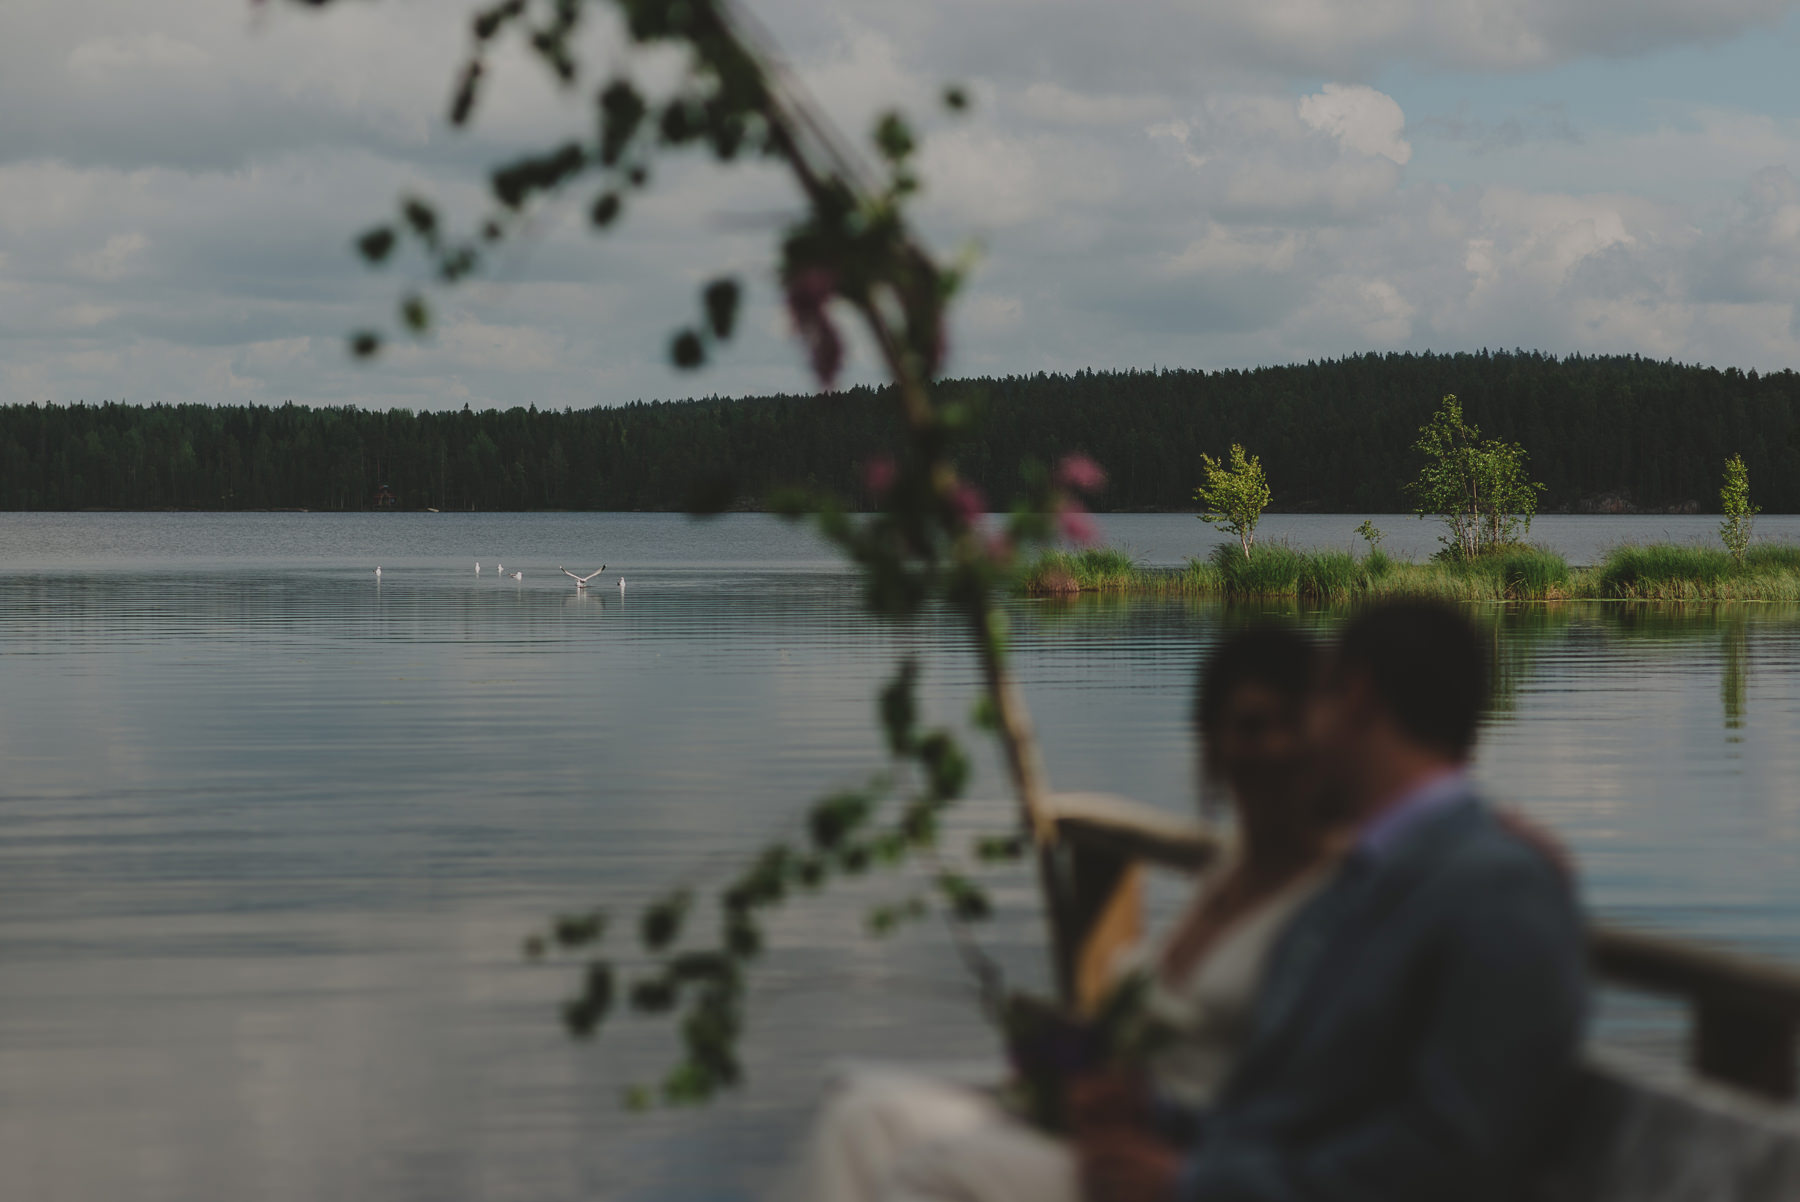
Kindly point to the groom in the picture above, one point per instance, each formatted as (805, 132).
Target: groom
(1417, 1030)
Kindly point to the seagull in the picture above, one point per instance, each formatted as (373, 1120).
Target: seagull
(377, 573)
(478, 567)
(517, 575)
(621, 584)
(580, 581)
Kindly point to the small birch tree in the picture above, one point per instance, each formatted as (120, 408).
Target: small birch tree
(1478, 488)
(1233, 494)
(1734, 502)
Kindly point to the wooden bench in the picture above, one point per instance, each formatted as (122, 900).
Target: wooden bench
(1723, 1130)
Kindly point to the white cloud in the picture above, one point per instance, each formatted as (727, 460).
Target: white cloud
(155, 51)
(1360, 118)
(1178, 183)
(112, 260)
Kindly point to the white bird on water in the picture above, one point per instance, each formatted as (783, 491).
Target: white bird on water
(621, 584)
(378, 573)
(580, 581)
(517, 575)
(478, 567)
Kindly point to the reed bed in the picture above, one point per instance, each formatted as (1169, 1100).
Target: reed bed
(1659, 572)
(1666, 572)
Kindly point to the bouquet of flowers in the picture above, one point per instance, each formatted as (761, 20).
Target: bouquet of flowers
(1051, 1049)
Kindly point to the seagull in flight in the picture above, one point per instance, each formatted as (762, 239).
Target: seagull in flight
(580, 581)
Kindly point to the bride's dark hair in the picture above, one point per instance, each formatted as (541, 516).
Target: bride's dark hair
(1277, 657)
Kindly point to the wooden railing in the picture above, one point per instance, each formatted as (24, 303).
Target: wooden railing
(1745, 1011)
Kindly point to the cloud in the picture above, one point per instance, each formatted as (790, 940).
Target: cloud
(112, 260)
(152, 51)
(1360, 118)
(1545, 122)
(1211, 185)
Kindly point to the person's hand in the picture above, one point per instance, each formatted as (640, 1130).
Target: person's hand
(1122, 1165)
(1106, 1100)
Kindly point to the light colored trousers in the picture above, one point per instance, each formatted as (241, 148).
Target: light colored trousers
(887, 1135)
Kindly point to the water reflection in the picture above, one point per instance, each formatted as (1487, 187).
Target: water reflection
(273, 834)
(1734, 680)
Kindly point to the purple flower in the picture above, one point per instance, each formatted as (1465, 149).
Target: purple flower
(878, 475)
(968, 503)
(1077, 526)
(1080, 473)
(808, 290)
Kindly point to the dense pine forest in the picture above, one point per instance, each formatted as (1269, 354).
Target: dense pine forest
(1601, 432)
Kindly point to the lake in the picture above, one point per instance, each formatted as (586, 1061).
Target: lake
(271, 829)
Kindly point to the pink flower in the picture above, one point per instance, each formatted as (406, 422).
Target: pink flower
(968, 503)
(808, 290)
(1080, 473)
(1076, 524)
(878, 475)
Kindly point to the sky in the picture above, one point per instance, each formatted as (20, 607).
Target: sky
(1141, 183)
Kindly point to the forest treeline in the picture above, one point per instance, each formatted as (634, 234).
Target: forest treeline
(1334, 436)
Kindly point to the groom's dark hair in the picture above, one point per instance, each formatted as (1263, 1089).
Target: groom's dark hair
(1426, 666)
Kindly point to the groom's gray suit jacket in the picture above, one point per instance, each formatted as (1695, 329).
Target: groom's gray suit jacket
(1417, 1029)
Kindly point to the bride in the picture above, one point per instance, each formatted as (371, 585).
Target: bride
(893, 1136)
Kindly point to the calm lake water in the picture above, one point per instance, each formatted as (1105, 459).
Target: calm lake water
(271, 829)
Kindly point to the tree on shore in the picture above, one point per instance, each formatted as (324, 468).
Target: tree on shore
(1234, 494)
(1734, 503)
(1478, 488)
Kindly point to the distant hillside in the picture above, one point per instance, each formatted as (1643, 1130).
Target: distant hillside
(1603, 433)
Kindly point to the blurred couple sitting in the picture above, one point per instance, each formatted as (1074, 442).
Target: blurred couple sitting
(1379, 997)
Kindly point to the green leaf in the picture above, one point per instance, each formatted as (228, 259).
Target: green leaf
(968, 901)
(377, 244)
(468, 84)
(661, 922)
(652, 995)
(580, 1018)
(894, 137)
(899, 708)
(421, 217)
(415, 313)
(622, 111)
(601, 987)
(999, 848)
(579, 930)
(686, 350)
(834, 818)
(810, 872)
(743, 937)
(721, 297)
(946, 765)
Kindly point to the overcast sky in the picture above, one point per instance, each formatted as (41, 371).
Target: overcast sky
(1148, 182)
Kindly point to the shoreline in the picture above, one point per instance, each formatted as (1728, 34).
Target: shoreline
(1769, 572)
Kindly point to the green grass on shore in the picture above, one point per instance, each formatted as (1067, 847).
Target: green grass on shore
(1658, 572)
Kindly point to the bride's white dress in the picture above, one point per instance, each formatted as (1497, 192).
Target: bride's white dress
(889, 1135)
